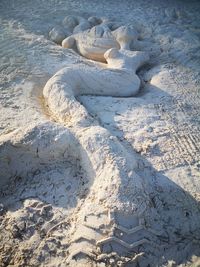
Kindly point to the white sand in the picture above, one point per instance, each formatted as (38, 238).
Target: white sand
(48, 183)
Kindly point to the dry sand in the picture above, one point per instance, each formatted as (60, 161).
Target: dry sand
(44, 184)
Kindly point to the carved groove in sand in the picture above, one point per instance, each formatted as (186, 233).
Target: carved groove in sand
(99, 237)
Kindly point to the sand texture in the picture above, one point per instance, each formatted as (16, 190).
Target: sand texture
(99, 133)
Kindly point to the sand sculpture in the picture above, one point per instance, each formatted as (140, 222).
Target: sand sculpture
(121, 215)
(110, 162)
(93, 43)
(117, 217)
(116, 78)
(93, 37)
